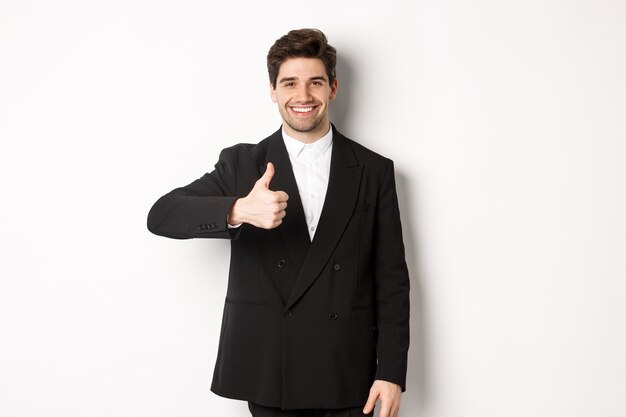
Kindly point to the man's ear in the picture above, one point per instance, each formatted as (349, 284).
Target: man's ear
(273, 93)
(333, 89)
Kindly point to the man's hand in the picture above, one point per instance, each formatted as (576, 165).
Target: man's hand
(389, 394)
(262, 207)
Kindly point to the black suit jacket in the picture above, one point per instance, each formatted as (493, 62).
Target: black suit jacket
(305, 324)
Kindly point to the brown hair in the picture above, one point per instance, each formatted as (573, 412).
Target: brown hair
(301, 43)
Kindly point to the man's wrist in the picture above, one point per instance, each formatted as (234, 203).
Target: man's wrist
(232, 220)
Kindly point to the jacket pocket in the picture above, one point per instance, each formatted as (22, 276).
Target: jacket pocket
(248, 302)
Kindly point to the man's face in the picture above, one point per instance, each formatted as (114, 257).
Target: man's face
(303, 94)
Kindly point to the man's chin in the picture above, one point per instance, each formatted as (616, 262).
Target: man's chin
(304, 128)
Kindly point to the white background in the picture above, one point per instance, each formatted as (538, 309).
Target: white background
(506, 121)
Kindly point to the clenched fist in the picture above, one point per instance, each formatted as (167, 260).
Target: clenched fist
(262, 207)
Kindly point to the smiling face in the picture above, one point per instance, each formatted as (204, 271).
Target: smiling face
(303, 94)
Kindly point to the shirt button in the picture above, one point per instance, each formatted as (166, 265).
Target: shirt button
(282, 263)
(333, 316)
(312, 228)
(337, 267)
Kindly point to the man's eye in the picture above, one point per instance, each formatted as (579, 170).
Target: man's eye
(316, 83)
(289, 84)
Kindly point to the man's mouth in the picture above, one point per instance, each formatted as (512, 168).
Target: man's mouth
(302, 110)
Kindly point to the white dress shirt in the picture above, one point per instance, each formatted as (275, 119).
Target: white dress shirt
(311, 168)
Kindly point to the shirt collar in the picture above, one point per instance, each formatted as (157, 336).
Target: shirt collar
(320, 146)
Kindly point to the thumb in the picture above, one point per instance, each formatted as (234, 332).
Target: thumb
(267, 176)
(371, 402)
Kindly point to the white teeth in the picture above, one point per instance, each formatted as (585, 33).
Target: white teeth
(302, 109)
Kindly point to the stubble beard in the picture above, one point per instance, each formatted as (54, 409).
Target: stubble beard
(307, 127)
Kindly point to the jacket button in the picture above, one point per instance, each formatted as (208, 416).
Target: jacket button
(287, 314)
(282, 263)
(337, 267)
(333, 316)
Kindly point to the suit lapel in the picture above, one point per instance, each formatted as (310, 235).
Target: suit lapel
(293, 228)
(341, 195)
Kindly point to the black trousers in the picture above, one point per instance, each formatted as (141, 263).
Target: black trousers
(262, 411)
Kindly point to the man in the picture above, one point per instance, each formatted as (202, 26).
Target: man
(316, 316)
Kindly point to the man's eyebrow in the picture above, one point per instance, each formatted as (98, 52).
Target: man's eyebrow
(285, 79)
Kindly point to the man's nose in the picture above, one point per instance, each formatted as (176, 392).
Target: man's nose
(303, 94)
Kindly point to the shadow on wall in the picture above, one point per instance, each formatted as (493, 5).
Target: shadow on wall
(339, 110)
(416, 397)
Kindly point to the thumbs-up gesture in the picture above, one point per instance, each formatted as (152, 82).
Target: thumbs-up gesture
(262, 207)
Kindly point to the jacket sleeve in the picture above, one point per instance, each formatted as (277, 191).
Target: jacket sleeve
(392, 286)
(200, 209)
